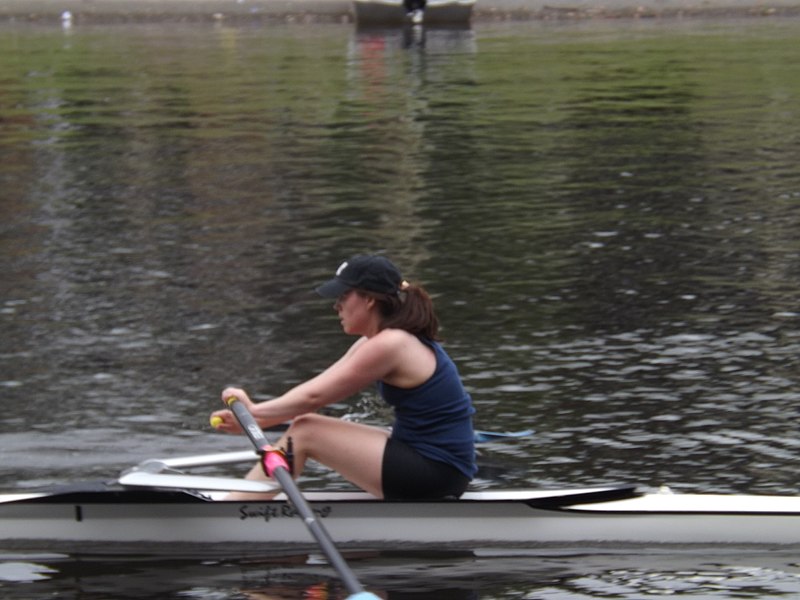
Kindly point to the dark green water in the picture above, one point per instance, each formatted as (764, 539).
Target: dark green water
(606, 213)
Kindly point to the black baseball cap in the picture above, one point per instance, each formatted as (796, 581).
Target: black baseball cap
(363, 272)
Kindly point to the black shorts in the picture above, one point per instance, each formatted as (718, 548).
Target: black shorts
(407, 475)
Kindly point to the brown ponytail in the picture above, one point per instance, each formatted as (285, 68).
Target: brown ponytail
(411, 309)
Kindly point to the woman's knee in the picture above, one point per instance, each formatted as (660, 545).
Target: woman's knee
(306, 428)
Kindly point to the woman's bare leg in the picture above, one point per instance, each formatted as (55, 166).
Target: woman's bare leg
(353, 450)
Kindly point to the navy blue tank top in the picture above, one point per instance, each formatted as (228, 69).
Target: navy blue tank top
(435, 418)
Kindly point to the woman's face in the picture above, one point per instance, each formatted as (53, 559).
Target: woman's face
(356, 313)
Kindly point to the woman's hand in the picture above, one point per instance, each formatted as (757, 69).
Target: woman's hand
(224, 420)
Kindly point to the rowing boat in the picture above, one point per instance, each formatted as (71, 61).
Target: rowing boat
(385, 13)
(156, 503)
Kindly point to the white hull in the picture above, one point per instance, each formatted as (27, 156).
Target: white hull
(491, 518)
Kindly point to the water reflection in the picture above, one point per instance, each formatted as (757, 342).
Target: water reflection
(607, 222)
(547, 573)
(607, 219)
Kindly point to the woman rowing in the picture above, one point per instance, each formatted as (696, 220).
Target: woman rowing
(429, 452)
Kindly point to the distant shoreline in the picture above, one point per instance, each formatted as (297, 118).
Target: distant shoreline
(314, 11)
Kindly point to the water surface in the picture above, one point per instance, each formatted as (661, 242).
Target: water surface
(606, 214)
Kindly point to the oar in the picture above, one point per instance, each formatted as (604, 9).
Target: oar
(481, 436)
(494, 436)
(275, 465)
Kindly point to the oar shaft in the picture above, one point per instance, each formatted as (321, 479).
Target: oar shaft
(284, 477)
(318, 530)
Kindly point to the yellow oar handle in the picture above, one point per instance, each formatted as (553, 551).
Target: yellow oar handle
(215, 420)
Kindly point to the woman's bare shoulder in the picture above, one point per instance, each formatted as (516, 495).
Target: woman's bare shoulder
(393, 343)
(396, 337)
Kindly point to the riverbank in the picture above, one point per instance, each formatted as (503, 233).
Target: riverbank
(88, 11)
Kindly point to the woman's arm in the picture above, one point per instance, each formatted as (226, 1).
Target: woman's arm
(366, 361)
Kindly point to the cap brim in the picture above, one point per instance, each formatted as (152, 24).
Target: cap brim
(333, 288)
